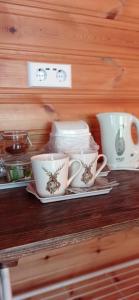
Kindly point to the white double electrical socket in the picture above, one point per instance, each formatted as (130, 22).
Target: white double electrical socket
(49, 75)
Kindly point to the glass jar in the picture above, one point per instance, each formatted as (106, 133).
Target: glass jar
(18, 169)
(2, 168)
(16, 142)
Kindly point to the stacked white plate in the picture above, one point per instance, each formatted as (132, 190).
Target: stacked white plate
(71, 136)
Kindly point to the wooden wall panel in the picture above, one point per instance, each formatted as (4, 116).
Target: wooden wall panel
(98, 38)
(47, 267)
(104, 74)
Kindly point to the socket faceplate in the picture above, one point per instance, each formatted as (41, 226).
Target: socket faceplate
(49, 75)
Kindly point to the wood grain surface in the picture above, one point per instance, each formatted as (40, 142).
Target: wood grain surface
(27, 226)
(47, 243)
(98, 38)
(121, 284)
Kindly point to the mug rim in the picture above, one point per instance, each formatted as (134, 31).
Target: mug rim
(49, 157)
(85, 152)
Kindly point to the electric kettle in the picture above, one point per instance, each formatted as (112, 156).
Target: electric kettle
(116, 139)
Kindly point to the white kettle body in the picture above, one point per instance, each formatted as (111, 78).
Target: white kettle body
(116, 139)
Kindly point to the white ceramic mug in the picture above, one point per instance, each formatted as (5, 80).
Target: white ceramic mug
(89, 171)
(50, 173)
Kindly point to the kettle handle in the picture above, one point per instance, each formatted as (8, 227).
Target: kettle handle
(136, 122)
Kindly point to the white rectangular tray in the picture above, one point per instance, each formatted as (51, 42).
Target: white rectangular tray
(31, 189)
(10, 185)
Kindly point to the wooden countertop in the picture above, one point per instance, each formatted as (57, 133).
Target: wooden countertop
(27, 226)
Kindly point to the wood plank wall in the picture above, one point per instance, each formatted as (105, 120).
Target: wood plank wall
(100, 39)
(50, 266)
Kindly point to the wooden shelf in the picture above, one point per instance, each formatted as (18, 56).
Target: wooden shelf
(27, 226)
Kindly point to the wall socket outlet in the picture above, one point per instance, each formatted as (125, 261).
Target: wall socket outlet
(49, 75)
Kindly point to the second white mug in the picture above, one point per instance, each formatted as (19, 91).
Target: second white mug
(89, 171)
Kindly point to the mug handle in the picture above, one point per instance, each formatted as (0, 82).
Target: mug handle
(103, 164)
(77, 172)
